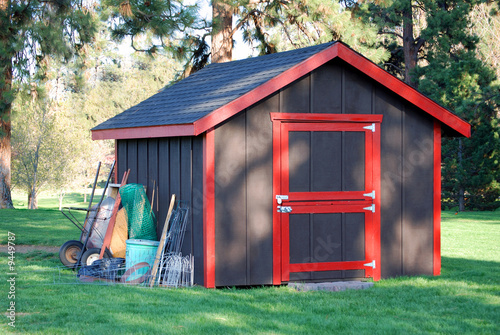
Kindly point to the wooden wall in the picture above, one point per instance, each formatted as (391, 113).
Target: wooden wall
(175, 165)
(243, 175)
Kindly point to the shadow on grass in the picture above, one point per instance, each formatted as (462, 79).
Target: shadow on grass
(471, 271)
(486, 216)
(465, 300)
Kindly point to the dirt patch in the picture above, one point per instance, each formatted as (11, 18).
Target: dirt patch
(24, 249)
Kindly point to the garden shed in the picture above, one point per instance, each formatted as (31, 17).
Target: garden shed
(307, 165)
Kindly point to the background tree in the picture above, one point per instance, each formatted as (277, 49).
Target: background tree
(42, 146)
(433, 48)
(29, 31)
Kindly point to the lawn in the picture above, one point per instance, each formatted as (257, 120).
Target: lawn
(464, 299)
(45, 226)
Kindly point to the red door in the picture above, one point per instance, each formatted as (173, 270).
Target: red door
(326, 184)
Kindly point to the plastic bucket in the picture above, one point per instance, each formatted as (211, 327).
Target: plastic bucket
(138, 251)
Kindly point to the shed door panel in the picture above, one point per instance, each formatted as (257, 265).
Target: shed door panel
(327, 179)
(326, 161)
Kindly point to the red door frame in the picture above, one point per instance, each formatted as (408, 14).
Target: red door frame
(282, 123)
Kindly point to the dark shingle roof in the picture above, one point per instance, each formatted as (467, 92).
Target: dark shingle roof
(207, 90)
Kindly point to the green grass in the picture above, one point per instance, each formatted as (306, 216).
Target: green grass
(465, 299)
(45, 226)
(41, 227)
(49, 200)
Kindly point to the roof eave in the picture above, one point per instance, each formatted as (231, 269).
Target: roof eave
(337, 50)
(143, 132)
(263, 91)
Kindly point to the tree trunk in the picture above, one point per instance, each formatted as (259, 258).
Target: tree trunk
(32, 200)
(410, 48)
(5, 105)
(61, 197)
(222, 27)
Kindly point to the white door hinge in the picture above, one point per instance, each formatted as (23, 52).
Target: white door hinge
(371, 208)
(371, 194)
(371, 264)
(372, 127)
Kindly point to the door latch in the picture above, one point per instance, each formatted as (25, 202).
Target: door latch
(284, 209)
(280, 198)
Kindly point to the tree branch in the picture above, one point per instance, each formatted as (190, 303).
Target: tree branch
(390, 33)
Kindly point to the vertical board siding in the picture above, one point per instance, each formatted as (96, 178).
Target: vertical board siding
(230, 203)
(243, 193)
(418, 186)
(260, 203)
(243, 211)
(243, 180)
(357, 92)
(173, 165)
(326, 89)
(186, 177)
(197, 209)
(391, 149)
(295, 98)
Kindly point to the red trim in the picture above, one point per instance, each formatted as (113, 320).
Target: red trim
(209, 210)
(337, 50)
(325, 196)
(325, 202)
(437, 198)
(351, 57)
(223, 113)
(318, 207)
(144, 132)
(327, 266)
(276, 215)
(320, 117)
(405, 91)
(285, 189)
(376, 163)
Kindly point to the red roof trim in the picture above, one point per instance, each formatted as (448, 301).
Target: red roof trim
(402, 89)
(144, 132)
(336, 50)
(320, 117)
(351, 57)
(264, 90)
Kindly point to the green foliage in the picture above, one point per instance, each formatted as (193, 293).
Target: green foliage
(33, 30)
(448, 70)
(460, 81)
(276, 26)
(43, 144)
(153, 25)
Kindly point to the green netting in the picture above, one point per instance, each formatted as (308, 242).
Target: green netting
(141, 220)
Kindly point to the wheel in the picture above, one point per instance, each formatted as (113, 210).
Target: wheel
(91, 255)
(69, 252)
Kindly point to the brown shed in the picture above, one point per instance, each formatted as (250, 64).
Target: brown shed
(307, 165)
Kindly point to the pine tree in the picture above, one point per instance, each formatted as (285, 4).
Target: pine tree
(460, 81)
(443, 64)
(30, 31)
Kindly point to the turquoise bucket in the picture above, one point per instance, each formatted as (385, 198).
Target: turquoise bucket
(139, 251)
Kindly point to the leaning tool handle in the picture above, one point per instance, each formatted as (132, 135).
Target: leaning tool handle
(111, 225)
(163, 242)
